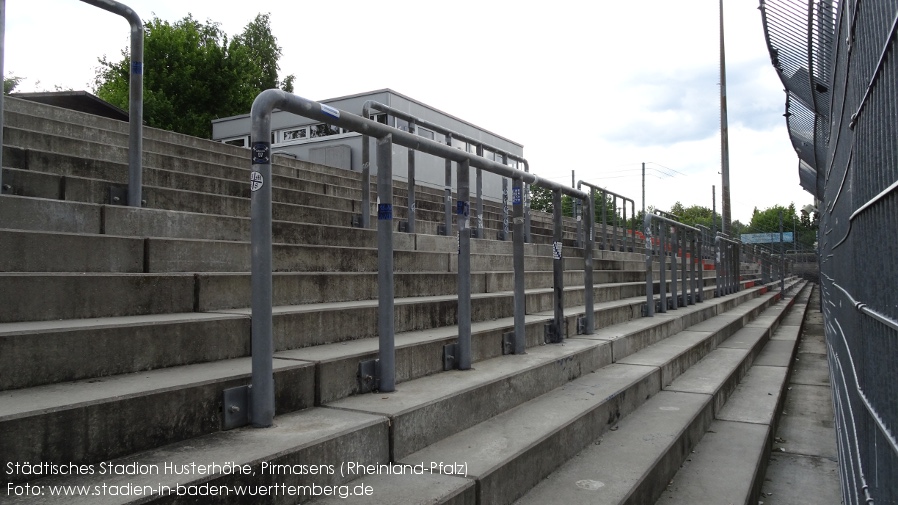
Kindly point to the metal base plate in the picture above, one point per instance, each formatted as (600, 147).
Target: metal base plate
(501, 235)
(235, 403)
(368, 376)
(450, 353)
(356, 221)
(441, 229)
(118, 195)
(508, 342)
(581, 325)
(551, 334)
(403, 226)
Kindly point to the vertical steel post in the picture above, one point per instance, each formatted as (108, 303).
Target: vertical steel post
(662, 274)
(684, 275)
(366, 182)
(605, 222)
(693, 249)
(643, 188)
(504, 209)
(714, 212)
(558, 266)
(261, 408)
(135, 98)
(587, 268)
(517, 203)
(447, 204)
(782, 257)
(463, 213)
(527, 229)
(479, 185)
(718, 268)
(411, 183)
(385, 323)
(674, 245)
(624, 230)
(614, 243)
(649, 283)
(578, 217)
(724, 135)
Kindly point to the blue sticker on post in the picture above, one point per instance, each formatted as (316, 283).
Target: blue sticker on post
(384, 211)
(462, 208)
(261, 153)
(137, 67)
(516, 196)
(330, 111)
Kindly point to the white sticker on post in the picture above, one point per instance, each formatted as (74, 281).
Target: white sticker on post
(255, 181)
(556, 250)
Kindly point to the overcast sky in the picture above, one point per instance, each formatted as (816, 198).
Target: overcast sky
(593, 86)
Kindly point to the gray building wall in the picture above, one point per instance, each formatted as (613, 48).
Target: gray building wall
(429, 170)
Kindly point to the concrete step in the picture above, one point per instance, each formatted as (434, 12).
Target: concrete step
(263, 466)
(184, 402)
(633, 462)
(729, 463)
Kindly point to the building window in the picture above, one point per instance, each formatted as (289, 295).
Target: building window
(237, 141)
(323, 130)
(424, 132)
(401, 124)
(295, 134)
(489, 155)
(380, 118)
(461, 144)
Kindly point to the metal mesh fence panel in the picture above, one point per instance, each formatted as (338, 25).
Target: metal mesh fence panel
(840, 67)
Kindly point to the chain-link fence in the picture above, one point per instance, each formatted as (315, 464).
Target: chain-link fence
(839, 64)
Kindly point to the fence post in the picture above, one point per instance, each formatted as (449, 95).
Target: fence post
(557, 268)
(662, 270)
(462, 217)
(411, 183)
(261, 410)
(674, 245)
(386, 369)
(517, 204)
(649, 283)
(447, 204)
(587, 270)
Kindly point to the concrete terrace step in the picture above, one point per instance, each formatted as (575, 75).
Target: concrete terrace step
(501, 452)
(171, 339)
(323, 438)
(35, 421)
(633, 461)
(729, 462)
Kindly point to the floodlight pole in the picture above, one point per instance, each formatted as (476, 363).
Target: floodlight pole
(724, 135)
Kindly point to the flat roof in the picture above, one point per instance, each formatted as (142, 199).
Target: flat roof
(81, 101)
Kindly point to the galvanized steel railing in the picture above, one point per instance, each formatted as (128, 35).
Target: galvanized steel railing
(450, 135)
(616, 243)
(135, 100)
(381, 372)
(684, 241)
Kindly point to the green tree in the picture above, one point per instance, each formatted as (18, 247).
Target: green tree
(768, 221)
(543, 200)
(10, 83)
(193, 73)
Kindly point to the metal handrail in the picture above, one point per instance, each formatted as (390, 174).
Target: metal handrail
(262, 393)
(605, 193)
(697, 290)
(135, 98)
(449, 134)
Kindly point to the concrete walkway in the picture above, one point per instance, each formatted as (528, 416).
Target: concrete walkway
(803, 466)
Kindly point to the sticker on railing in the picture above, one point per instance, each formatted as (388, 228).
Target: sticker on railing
(255, 181)
(462, 208)
(137, 67)
(516, 196)
(384, 211)
(330, 111)
(556, 250)
(261, 153)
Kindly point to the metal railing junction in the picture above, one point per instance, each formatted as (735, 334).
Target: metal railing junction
(449, 136)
